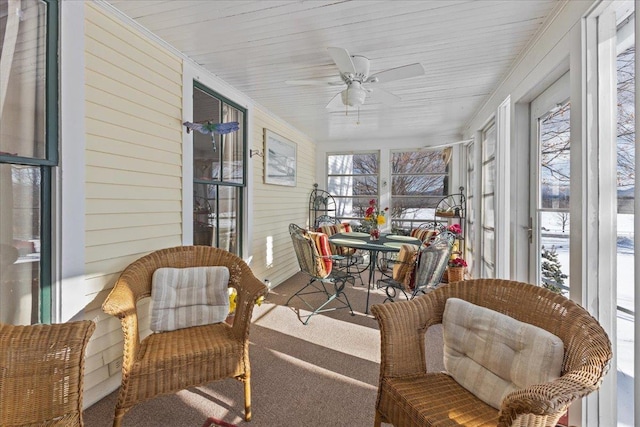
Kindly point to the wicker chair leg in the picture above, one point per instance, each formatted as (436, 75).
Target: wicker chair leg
(247, 399)
(378, 421)
(117, 420)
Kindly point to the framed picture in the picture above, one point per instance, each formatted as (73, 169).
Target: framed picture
(279, 160)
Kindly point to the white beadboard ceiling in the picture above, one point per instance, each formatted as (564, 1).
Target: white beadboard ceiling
(466, 48)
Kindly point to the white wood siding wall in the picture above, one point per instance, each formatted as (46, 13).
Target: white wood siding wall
(133, 171)
(275, 206)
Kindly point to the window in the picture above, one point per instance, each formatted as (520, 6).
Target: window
(470, 243)
(218, 173)
(552, 201)
(607, 268)
(419, 179)
(488, 202)
(352, 179)
(28, 155)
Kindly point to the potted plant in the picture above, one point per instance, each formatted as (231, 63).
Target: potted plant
(455, 269)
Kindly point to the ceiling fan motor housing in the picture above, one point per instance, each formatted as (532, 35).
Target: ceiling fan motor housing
(361, 65)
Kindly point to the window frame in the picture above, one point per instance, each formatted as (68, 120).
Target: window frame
(221, 183)
(49, 163)
(337, 198)
(446, 184)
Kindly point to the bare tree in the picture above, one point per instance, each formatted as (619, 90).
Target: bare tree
(562, 219)
(626, 118)
(419, 180)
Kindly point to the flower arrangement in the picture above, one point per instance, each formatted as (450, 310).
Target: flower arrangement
(374, 215)
(455, 229)
(457, 262)
(233, 300)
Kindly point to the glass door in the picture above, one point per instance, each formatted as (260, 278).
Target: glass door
(549, 218)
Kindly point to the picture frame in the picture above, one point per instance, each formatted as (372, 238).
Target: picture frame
(280, 162)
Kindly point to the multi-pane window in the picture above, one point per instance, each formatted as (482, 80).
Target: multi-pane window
(352, 179)
(218, 173)
(470, 243)
(419, 180)
(488, 202)
(28, 155)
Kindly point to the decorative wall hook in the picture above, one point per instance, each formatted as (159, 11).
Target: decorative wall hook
(258, 153)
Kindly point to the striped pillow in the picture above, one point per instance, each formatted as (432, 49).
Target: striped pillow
(330, 230)
(322, 253)
(184, 297)
(404, 267)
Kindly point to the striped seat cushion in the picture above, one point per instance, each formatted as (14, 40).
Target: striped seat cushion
(184, 297)
(404, 267)
(423, 234)
(330, 230)
(322, 253)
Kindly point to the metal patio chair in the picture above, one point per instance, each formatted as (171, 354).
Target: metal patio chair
(420, 272)
(314, 257)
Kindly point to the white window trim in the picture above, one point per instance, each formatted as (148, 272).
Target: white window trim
(502, 191)
(68, 197)
(599, 259)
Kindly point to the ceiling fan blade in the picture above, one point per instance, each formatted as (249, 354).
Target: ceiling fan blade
(336, 102)
(342, 59)
(404, 72)
(313, 82)
(383, 96)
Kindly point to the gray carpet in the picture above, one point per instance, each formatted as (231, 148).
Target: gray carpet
(321, 374)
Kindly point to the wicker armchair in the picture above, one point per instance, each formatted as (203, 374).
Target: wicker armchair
(409, 396)
(170, 361)
(42, 373)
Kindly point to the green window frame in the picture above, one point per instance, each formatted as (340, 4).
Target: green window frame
(45, 164)
(218, 203)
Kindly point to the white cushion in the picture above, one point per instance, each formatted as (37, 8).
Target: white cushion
(491, 354)
(184, 297)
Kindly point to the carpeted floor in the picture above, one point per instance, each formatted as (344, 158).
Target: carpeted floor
(316, 375)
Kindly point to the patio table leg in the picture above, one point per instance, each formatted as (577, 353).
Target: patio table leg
(373, 260)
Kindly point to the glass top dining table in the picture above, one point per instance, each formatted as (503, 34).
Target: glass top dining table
(385, 243)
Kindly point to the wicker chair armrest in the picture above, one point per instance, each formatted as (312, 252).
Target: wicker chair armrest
(403, 326)
(250, 289)
(547, 399)
(121, 302)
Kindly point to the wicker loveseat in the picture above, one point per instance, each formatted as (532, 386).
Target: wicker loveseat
(170, 361)
(410, 396)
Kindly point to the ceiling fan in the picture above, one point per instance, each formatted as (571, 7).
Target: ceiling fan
(354, 73)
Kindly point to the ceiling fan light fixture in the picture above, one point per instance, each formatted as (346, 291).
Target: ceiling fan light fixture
(353, 96)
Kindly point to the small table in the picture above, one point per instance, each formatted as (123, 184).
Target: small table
(386, 243)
